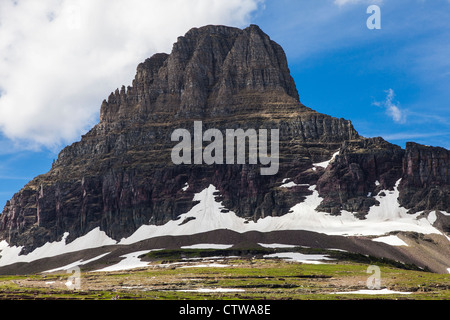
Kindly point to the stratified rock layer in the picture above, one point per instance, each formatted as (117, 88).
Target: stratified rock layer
(120, 175)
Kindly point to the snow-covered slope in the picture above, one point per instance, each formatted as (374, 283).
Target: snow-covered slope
(386, 217)
(208, 215)
(93, 239)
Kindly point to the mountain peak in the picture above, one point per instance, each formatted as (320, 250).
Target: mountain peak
(208, 66)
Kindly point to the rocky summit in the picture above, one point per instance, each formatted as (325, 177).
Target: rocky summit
(121, 175)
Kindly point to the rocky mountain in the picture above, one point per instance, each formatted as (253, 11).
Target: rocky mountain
(120, 175)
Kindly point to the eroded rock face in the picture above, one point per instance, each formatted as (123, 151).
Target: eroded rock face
(120, 175)
(213, 71)
(361, 170)
(426, 178)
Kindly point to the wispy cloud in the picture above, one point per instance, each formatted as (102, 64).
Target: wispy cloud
(391, 107)
(413, 135)
(423, 117)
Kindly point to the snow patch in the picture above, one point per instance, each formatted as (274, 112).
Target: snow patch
(300, 257)
(131, 261)
(380, 291)
(210, 258)
(212, 290)
(432, 217)
(207, 214)
(209, 265)
(276, 245)
(325, 164)
(391, 240)
(76, 264)
(94, 239)
(292, 184)
(208, 246)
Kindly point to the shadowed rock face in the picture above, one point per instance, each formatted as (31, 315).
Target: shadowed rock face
(120, 175)
(362, 169)
(426, 178)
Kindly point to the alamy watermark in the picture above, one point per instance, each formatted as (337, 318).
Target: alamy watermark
(374, 21)
(74, 280)
(186, 152)
(374, 281)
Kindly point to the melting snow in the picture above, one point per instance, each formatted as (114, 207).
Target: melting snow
(300, 257)
(208, 265)
(276, 245)
(93, 239)
(388, 216)
(391, 240)
(131, 261)
(208, 246)
(432, 217)
(326, 163)
(76, 264)
(291, 184)
(380, 291)
(207, 290)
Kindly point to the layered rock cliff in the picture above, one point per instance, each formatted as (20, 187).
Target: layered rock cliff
(120, 176)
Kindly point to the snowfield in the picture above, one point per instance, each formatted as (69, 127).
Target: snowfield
(300, 257)
(76, 264)
(131, 261)
(93, 239)
(380, 220)
(207, 246)
(392, 240)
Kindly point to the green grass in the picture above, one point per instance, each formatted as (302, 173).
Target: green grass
(179, 254)
(260, 279)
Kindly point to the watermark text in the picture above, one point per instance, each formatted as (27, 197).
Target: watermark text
(236, 148)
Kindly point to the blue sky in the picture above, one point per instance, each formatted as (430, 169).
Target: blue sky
(393, 82)
(69, 55)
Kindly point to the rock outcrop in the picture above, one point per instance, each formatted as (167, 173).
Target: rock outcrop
(425, 181)
(360, 170)
(120, 176)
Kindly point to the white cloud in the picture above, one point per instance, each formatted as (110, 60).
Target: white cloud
(392, 108)
(344, 2)
(60, 58)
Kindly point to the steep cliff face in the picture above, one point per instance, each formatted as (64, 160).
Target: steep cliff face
(121, 176)
(211, 72)
(426, 178)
